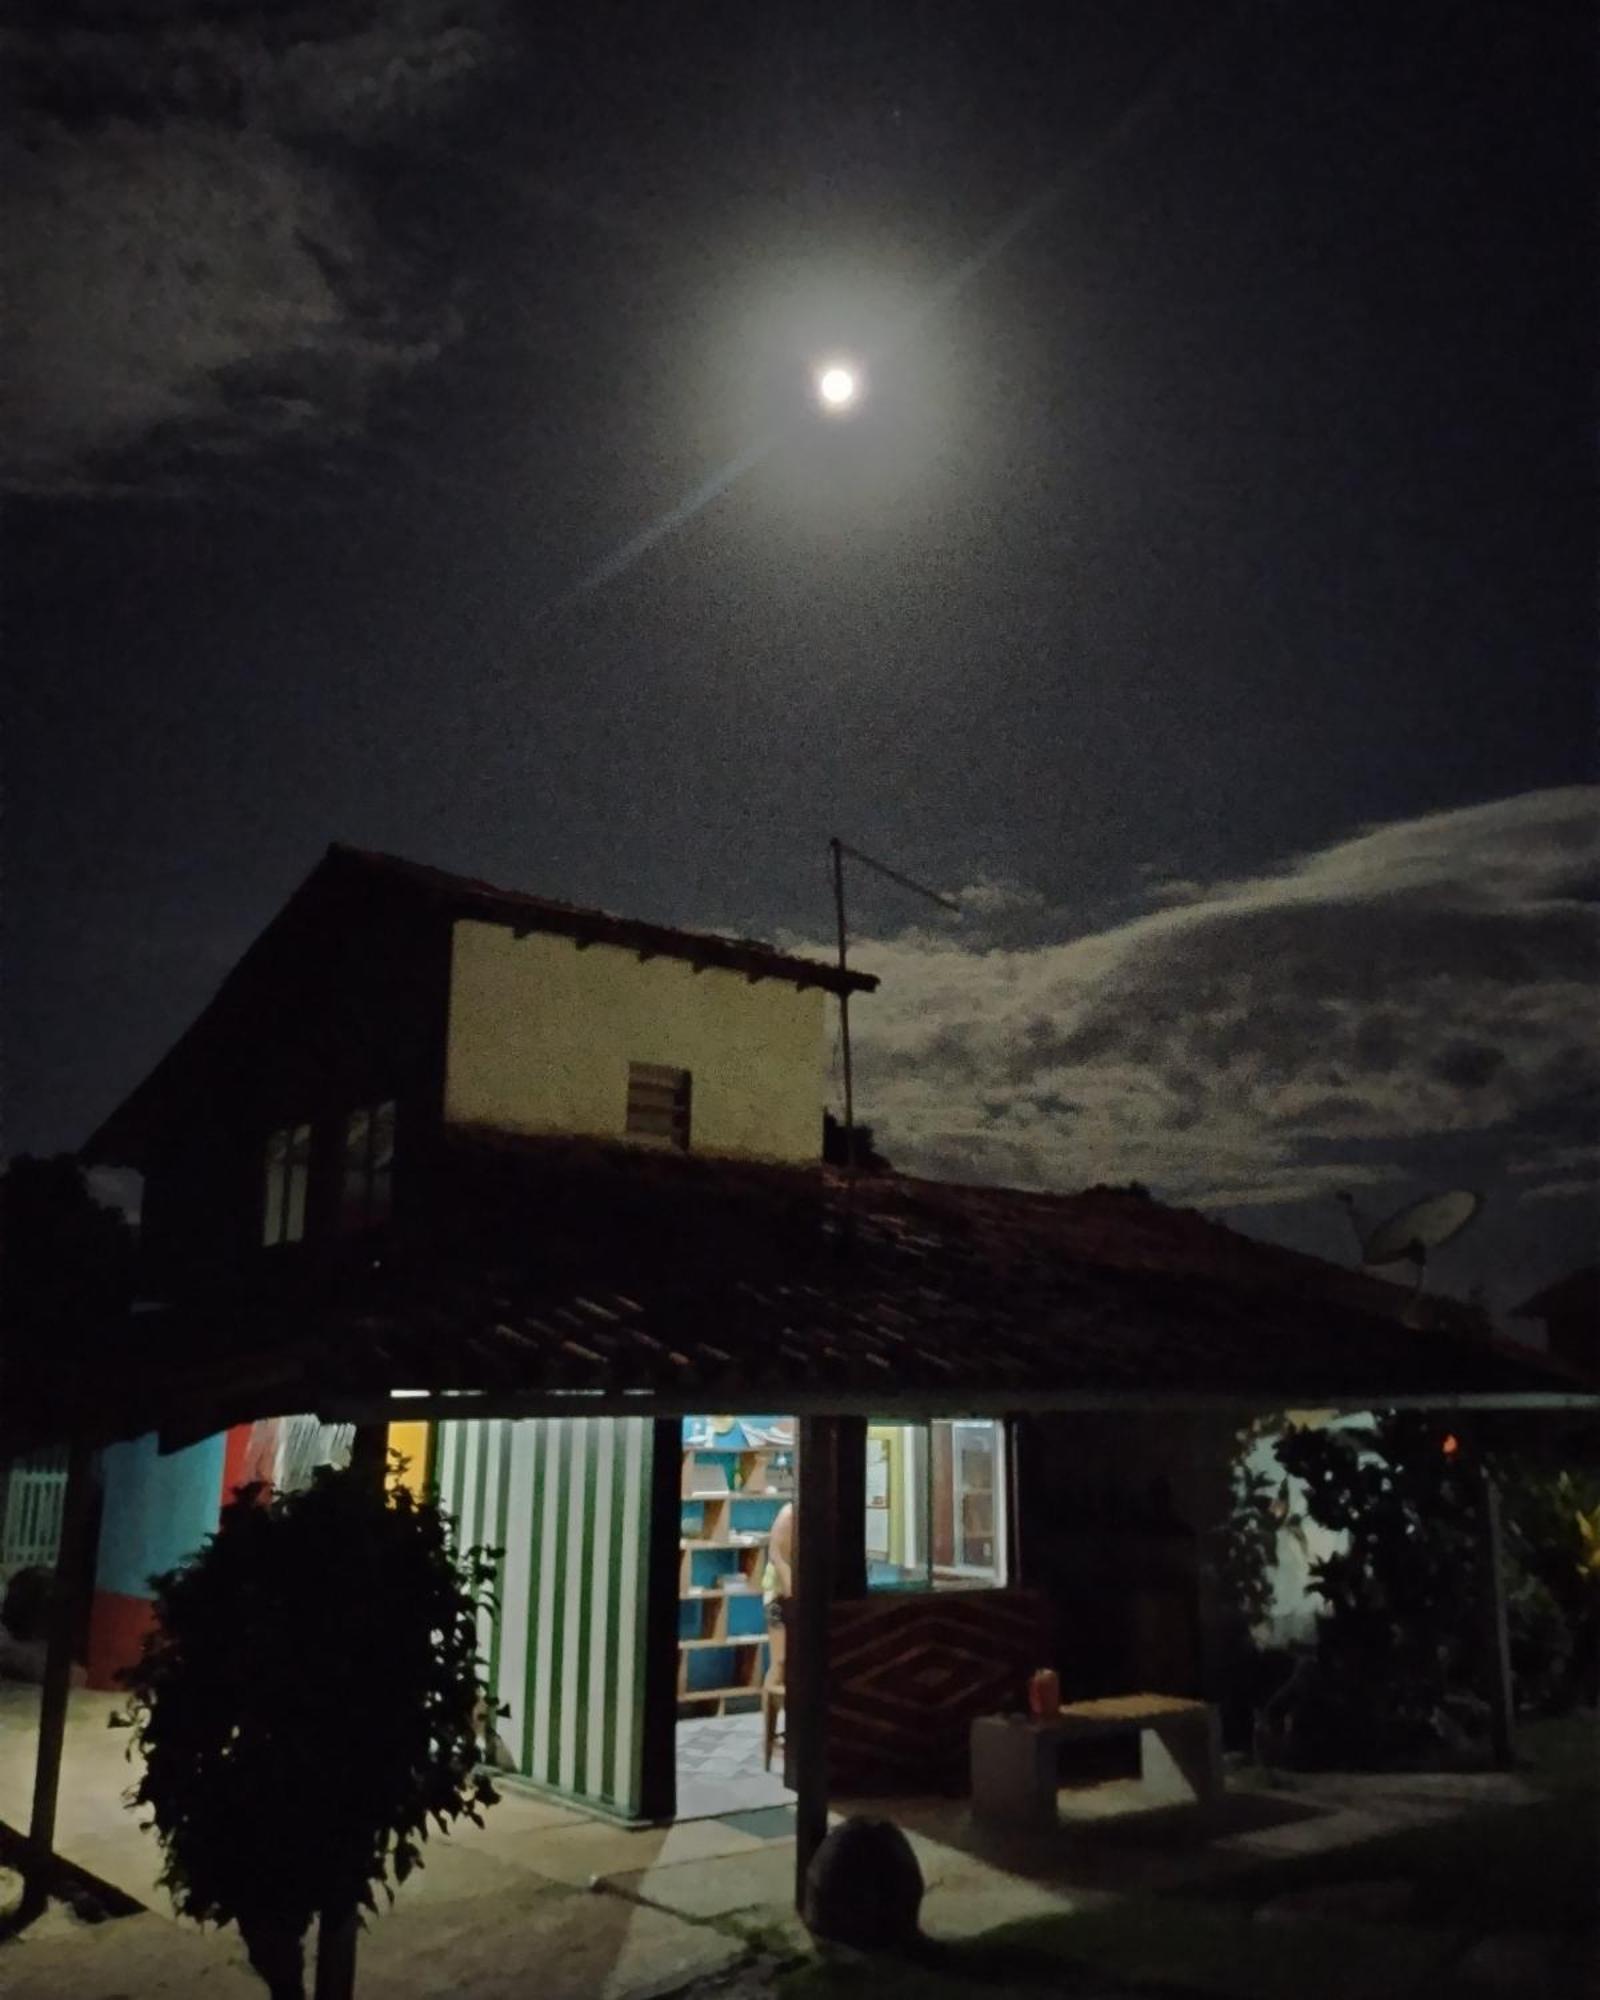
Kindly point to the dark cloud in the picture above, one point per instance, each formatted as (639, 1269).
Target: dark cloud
(195, 266)
(1468, 1065)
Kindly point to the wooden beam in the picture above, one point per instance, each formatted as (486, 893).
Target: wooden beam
(1012, 1554)
(369, 1454)
(806, 1703)
(338, 1929)
(1496, 1639)
(850, 1519)
(888, 1402)
(658, 1775)
(66, 1599)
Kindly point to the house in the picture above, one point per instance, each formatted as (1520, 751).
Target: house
(544, 1185)
(1570, 1312)
(387, 1007)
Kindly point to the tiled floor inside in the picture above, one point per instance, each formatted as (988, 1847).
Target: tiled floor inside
(719, 1767)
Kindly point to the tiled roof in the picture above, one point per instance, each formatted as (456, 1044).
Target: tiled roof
(574, 1275)
(467, 896)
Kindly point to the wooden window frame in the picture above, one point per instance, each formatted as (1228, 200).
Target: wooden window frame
(373, 1213)
(283, 1216)
(922, 1469)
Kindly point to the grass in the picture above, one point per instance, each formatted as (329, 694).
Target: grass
(1146, 1944)
(1528, 1868)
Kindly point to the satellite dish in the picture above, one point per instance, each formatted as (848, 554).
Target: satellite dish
(1407, 1237)
(1410, 1233)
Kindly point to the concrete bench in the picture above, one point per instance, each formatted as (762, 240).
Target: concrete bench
(1016, 1759)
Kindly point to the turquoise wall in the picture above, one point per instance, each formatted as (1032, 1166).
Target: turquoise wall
(157, 1509)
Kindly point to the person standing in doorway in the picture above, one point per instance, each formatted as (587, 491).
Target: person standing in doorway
(777, 1597)
(777, 1579)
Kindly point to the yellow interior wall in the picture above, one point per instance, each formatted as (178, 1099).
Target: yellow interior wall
(893, 1435)
(541, 1036)
(411, 1441)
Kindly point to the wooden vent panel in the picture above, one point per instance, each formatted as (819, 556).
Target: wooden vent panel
(658, 1103)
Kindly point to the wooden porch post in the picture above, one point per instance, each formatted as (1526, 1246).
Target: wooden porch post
(65, 1606)
(658, 1775)
(338, 1930)
(850, 1508)
(369, 1454)
(816, 1533)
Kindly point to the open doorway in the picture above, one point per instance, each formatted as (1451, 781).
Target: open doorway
(735, 1542)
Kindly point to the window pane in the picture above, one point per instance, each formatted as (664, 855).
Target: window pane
(354, 1185)
(277, 1171)
(968, 1504)
(380, 1195)
(897, 1507)
(294, 1215)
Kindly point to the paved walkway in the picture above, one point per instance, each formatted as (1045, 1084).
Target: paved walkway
(719, 1767)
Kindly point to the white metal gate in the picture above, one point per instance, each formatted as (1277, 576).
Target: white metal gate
(35, 1497)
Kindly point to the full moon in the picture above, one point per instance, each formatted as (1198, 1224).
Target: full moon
(837, 386)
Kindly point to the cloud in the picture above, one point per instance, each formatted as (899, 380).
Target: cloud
(1574, 1190)
(193, 265)
(1265, 1040)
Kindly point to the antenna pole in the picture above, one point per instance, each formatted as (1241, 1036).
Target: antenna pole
(837, 847)
(839, 850)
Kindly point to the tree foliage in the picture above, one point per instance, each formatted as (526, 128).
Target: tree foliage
(1401, 1634)
(307, 1703)
(1553, 1534)
(1402, 1666)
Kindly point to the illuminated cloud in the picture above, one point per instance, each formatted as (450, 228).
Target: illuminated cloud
(1268, 1040)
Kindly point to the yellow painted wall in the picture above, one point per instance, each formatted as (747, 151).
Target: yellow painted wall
(411, 1441)
(541, 1036)
(893, 1437)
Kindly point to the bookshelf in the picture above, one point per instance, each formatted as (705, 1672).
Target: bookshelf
(730, 1494)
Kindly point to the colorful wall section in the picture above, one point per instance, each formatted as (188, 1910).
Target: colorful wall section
(157, 1510)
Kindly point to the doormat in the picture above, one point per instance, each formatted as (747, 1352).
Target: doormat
(765, 1822)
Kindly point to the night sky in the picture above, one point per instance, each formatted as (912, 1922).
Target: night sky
(1205, 584)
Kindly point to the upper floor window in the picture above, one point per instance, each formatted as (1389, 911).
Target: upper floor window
(283, 1218)
(658, 1103)
(936, 1506)
(366, 1188)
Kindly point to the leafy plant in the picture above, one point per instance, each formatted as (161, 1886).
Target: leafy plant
(1402, 1666)
(1553, 1534)
(1400, 1645)
(306, 1704)
(1261, 1512)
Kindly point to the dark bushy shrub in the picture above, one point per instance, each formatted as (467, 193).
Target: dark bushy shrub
(306, 1705)
(25, 1612)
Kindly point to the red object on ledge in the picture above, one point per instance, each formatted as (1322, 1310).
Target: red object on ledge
(1044, 1694)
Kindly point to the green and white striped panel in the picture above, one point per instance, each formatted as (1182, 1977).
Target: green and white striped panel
(566, 1498)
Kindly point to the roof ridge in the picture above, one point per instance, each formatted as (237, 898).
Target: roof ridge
(744, 953)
